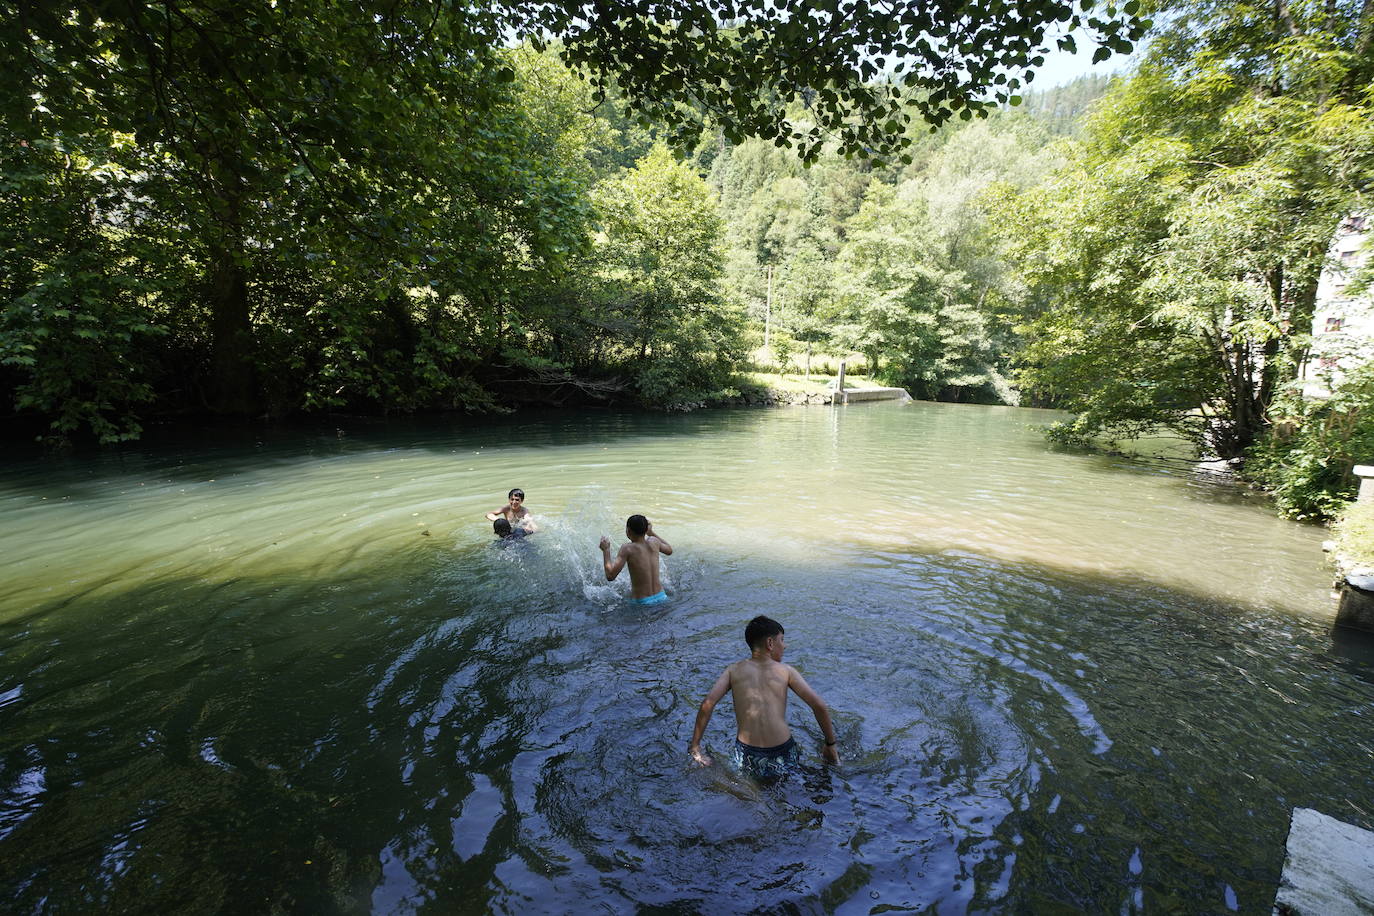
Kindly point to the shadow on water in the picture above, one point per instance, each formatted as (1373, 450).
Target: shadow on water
(1354, 649)
(185, 452)
(479, 730)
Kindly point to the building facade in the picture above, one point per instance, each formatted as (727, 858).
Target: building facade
(1343, 321)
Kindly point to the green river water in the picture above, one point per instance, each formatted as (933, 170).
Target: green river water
(288, 671)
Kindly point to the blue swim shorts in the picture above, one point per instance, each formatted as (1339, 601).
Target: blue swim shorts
(767, 763)
(658, 598)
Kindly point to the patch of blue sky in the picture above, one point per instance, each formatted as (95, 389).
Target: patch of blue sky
(1062, 67)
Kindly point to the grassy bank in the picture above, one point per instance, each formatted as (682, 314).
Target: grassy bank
(1354, 532)
(798, 383)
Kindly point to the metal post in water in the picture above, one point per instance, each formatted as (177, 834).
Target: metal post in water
(840, 396)
(768, 312)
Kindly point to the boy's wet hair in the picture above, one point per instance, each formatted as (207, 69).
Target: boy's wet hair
(637, 524)
(516, 492)
(501, 527)
(759, 629)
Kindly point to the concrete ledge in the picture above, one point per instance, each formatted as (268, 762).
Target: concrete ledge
(875, 394)
(1329, 869)
(1356, 609)
(1366, 474)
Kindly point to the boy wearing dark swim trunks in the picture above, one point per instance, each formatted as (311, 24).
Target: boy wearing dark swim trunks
(763, 741)
(641, 555)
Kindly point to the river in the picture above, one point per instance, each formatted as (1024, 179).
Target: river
(288, 671)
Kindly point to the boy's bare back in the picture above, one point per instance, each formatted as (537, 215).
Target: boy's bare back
(760, 693)
(759, 685)
(640, 554)
(642, 559)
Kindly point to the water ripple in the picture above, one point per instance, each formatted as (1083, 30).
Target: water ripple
(299, 674)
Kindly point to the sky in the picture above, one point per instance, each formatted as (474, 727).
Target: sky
(1061, 67)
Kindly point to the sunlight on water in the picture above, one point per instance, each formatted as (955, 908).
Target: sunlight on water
(294, 671)
(955, 478)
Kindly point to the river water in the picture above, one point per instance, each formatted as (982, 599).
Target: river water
(289, 672)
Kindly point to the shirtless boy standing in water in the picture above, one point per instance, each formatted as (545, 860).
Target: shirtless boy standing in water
(515, 512)
(763, 742)
(641, 555)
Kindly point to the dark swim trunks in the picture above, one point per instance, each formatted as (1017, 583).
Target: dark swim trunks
(767, 763)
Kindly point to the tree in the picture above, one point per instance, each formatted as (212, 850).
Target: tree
(1178, 256)
(963, 183)
(901, 302)
(661, 260)
(805, 296)
(266, 141)
(1307, 464)
(300, 168)
(925, 280)
(1062, 108)
(77, 327)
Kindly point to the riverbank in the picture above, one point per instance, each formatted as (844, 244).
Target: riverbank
(761, 389)
(1352, 545)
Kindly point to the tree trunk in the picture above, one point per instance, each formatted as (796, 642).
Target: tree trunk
(1302, 307)
(233, 381)
(1273, 372)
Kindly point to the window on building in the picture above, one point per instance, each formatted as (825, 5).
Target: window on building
(1328, 362)
(1334, 324)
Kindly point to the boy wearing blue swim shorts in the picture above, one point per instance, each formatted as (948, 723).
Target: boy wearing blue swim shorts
(641, 555)
(763, 742)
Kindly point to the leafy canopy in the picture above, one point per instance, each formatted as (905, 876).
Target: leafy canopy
(855, 66)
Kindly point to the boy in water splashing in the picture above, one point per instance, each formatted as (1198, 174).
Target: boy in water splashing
(641, 555)
(515, 512)
(764, 747)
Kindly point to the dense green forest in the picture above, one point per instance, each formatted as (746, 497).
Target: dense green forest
(273, 210)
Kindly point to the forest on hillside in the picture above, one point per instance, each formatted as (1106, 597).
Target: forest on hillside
(303, 234)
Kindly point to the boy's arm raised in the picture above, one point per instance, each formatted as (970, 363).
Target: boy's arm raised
(818, 707)
(612, 567)
(708, 706)
(663, 546)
